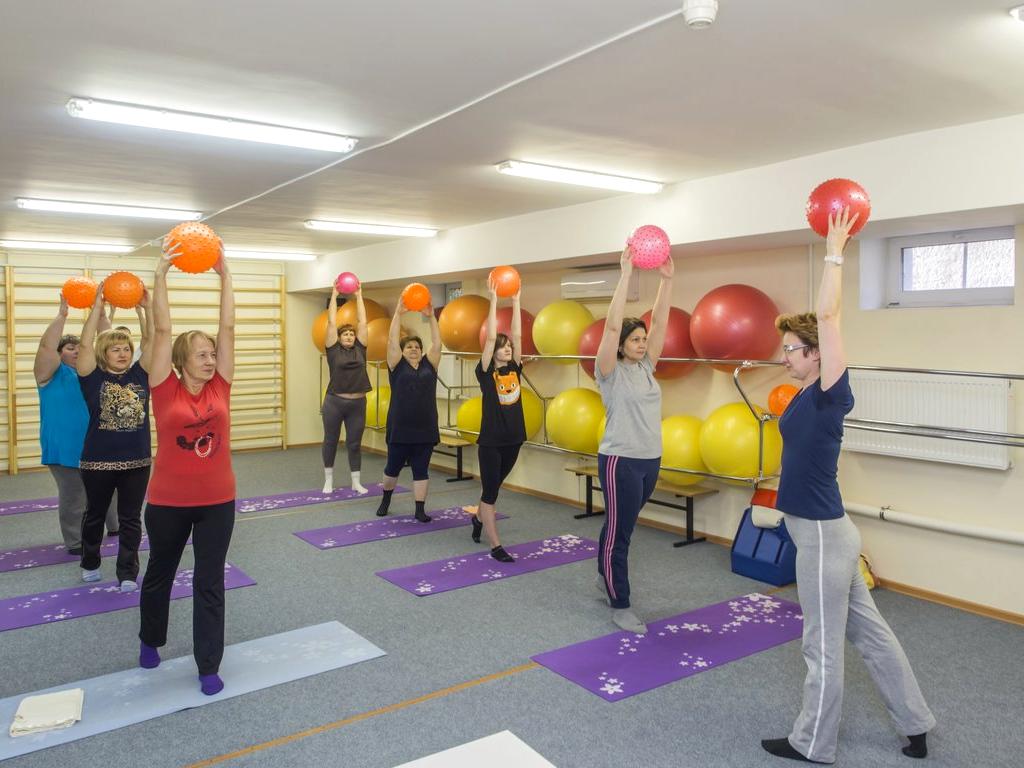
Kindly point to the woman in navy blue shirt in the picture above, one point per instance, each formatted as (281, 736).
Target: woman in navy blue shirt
(412, 430)
(835, 602)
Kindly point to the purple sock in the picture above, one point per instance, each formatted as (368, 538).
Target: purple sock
(211, 684)
(149, 657)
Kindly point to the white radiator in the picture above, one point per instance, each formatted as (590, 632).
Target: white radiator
(932, 400)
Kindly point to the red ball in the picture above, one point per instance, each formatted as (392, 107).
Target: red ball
(506, 281)
(830, 197)
(589, 342)
(198, 246)
(677, 343)
(504, 318)
(735, 322)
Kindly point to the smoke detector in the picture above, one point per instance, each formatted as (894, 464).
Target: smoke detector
(700, 13)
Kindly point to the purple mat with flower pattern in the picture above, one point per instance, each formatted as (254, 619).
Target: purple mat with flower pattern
(381, 528)
(28, 505)
(479, 567)
(54, 554)
(89, 599)
(624, 664)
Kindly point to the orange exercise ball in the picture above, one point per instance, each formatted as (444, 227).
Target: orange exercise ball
(460, 323)
(319, 331)
(778, 398)
(198, 246)
(415, 296)
(348, 314)
(506, 281)
(377, 339)
(79, 292)
(123, 290)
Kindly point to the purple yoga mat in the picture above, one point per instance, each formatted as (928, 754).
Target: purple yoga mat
(305, 498)
(27, 505)
(54, 554)
(90, 599)
(385, 528)
(478, 568)
(623, 664)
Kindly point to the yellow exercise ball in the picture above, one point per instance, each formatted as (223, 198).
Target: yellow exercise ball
(382, 397)
(729, 442)
(558, 327)
(468, 418)
(533, 412)
(680, 447)
(572, 419)
(602, 425)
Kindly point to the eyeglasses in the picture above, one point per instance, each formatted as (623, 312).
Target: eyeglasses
(788, 349)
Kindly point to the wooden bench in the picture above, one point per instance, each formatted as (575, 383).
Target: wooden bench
(688, 492)
(453, 441)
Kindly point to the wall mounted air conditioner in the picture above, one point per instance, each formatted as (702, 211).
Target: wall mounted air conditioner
(585, 284)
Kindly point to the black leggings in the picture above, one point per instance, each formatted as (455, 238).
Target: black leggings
(416, 455)
(495, 461)
(352, 412)
(100, 485)
(169, 528)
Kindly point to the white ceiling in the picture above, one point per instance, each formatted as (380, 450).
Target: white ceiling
(771, 80)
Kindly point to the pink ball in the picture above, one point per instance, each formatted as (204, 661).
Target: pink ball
(346, 282)
(649, 246)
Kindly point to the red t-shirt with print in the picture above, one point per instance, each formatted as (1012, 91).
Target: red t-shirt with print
(192, 467)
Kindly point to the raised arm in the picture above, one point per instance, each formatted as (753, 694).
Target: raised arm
(47, 357)
(434, 353)
(332, 320)
(830, 299)
(659, 315)
(361, 333)
(159, 348)
(144, 310)
(395, 351)
(87, 346)
(226, 324)
(487, 353)
(607, 350)
(517, 330)
(106, 320)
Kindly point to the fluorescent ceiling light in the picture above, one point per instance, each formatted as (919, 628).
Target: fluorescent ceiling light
(580, 178)
(35, 245)
(207, 125)
(1018, 12)
(136, 212)
(371, 229)
(270, 255)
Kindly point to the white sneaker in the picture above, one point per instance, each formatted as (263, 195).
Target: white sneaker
(128, 586)
(91, 576)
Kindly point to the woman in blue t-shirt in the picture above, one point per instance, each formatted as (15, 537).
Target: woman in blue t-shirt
(116, 454)
(629, 456)
(411, 432)
(502, 424)
(835, 602)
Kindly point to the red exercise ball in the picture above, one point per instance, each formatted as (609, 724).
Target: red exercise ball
(830, 197)
(779, 398)
(734, 322)
(415, 297)
(79, 292)
(506, 281)
(677, 343)
(123, 290)
(504, 318)
(589, 342)
(198, 246)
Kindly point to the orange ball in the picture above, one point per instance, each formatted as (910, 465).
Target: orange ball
(460, 323)
(198, 244)
(506, 281)
(377, 339)
(778, 398)
(319, 332)
(415, 297)
(348, 313)
(122, 289)
(80, 292)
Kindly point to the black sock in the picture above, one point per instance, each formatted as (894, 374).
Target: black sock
(421, 512)
(478, 528)
(782, 748)
(918, 746)
(499, 553)
(385, 502)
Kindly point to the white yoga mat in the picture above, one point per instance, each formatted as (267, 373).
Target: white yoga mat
(502, 750)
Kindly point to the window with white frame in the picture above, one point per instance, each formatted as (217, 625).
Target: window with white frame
(946, 269)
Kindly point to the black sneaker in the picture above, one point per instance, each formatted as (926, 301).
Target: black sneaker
(76, 551)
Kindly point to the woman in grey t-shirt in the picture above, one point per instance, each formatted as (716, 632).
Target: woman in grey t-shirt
(629, 456)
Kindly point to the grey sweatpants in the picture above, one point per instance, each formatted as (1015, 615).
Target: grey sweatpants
(837, 606)
(71, 504)
(352, 412)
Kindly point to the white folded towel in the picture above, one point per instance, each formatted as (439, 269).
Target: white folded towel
(48, 712)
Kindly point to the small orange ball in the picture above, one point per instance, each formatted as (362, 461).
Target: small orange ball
(122, 289)
(506, 281)
(779, 398)
(80, 292)
(415, 297)
(198, 244)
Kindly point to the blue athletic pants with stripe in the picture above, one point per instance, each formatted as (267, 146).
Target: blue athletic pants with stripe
(627, 485)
